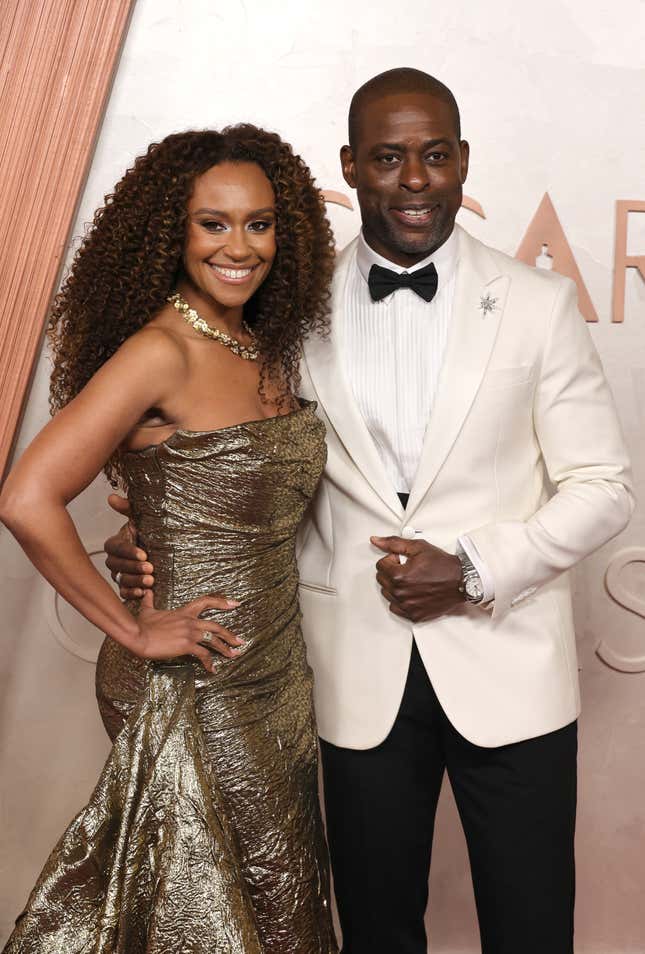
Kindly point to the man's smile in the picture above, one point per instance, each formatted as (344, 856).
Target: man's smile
(415, 215)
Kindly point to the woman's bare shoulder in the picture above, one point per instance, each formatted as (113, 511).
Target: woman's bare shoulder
(154, 349)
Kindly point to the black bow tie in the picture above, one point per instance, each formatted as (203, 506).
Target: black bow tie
(383, 281)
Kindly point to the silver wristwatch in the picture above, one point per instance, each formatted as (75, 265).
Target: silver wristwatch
(471, 584)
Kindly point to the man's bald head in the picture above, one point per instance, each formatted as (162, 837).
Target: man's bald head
(393, 82)
(407, 162)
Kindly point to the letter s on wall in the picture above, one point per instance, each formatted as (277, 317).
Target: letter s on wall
(627, 598)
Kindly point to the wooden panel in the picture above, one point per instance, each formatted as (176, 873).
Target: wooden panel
(57, 60)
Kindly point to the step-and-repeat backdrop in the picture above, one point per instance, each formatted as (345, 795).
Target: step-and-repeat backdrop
(551, 94)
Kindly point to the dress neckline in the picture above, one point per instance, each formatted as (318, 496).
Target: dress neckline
(182, 432)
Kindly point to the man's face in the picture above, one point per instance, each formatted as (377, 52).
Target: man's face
(408, 168)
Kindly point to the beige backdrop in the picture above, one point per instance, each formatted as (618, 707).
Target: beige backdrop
(551, 97)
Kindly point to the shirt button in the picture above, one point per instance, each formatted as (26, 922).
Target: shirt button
(408, 533)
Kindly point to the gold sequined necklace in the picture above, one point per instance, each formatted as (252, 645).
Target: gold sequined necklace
(249, 353)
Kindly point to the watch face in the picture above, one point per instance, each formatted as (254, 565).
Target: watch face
(474, 589)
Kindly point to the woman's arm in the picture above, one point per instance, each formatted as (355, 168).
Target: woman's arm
(64, 459)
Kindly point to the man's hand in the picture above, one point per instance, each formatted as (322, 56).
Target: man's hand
(124, 557)
(425, 586)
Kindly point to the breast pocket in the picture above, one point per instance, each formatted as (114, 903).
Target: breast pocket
(508, 377)
(500, 417)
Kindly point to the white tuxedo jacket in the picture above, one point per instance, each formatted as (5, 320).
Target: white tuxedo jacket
(523, 452)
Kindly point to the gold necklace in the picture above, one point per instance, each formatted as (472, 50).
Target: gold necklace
(189, 314)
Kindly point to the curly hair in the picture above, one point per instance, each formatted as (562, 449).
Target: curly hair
(130, 260)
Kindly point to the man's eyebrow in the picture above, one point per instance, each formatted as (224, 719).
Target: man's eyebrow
(268, 208)
(401, 147)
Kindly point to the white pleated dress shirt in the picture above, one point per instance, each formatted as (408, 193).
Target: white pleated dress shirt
(393, 352)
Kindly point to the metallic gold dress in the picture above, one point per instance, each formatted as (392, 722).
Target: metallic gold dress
(203, 835)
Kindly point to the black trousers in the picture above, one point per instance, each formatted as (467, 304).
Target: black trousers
(517, 805)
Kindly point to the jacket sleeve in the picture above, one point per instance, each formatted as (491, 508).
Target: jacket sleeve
(584, 454)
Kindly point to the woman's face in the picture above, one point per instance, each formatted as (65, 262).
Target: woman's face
(230, 237)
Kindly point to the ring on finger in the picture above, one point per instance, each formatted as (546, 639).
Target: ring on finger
(207, 637)
(117, 578)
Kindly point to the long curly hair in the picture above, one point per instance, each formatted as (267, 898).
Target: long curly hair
(130, 259)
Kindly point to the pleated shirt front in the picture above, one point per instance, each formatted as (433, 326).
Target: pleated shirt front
(393, 353)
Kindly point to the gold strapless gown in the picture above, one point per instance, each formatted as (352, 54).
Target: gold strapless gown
(203, 835)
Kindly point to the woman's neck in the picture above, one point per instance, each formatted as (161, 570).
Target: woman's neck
(214, 313)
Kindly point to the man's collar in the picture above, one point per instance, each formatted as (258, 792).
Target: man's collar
(444, 259)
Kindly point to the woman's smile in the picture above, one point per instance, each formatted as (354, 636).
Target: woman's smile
(232, 274)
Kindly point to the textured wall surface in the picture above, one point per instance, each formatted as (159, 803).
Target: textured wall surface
(551, 96)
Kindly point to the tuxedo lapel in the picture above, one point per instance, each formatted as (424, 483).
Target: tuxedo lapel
(323, 359)
(472, 334)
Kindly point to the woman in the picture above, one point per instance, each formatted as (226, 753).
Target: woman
(176, 340)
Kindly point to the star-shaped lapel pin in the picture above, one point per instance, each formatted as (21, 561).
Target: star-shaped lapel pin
(487, 304)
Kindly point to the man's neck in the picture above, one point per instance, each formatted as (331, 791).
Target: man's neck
(444, 258)
(395, 257)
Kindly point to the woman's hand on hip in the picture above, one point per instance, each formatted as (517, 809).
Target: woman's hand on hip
(164, 634)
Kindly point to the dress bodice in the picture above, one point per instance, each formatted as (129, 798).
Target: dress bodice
(217, 512)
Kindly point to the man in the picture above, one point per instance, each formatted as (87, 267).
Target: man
(469, 426)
